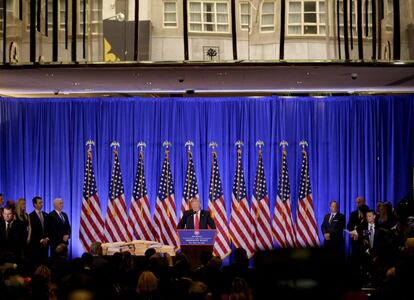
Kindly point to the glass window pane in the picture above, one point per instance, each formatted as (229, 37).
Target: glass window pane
(222, 28)
(295, 18)
(322, 18)
(208, 17)
(195, 7)
(268, 7)
(294, 30)
(310, 6)
(245, 8)
(322, 30)
(268, 20)
(310, 29)
(208, 7)
(221, 7)
(322, 6)
(208, 27)
(310, 18)
(195, 27)
(195, 17)
(222, 18)
(295, 6)
(169, 6)
(169, 17)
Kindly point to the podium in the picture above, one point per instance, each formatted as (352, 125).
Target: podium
(194, 242)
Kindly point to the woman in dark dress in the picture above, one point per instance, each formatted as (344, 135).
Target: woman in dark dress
(23, 225)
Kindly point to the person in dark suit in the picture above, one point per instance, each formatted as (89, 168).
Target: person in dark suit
(60, 229)
(8, 232)
(333, 230)
(1, 206)
(196, 218)
(39, 241)
(357, 220)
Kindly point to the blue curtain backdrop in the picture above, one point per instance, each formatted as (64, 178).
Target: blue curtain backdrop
(357, 146)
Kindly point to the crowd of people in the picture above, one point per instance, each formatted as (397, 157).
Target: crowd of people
(379, 262)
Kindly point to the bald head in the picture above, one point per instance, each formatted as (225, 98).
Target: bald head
(58, 204)
(360, 201)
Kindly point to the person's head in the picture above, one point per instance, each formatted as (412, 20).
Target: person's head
(43, 272)
(61, 250)
(240, 257)
(1, 200)
(195, 204)
(379, 205)
(10, 203)
(333, 206)
(37, 203)
(96, 249)
(21, 207)
(199, 290)
(370, 216)
(58, 204)
(360, 201)
(149, 252)
(7, 214)
(147, 283)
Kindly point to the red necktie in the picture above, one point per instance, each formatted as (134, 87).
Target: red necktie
(197, 222)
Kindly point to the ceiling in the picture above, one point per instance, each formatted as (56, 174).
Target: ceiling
(198, 79)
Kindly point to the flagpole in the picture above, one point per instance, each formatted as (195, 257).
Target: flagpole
(188, 144)
(213, 146)
(238, 144)
(167, 144)
(141, 146)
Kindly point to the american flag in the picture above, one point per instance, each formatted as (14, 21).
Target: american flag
(165, 216)
(139, 213)
(282, 225)
(91, 221)
(217, 209)
(117, 227)
(307, 230)
(241, 223)
(190, 185)
(261, 210)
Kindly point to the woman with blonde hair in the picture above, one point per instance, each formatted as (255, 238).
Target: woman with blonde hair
(147, 286)
(23, 224)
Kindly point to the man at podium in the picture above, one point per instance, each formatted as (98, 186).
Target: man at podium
(196, 218)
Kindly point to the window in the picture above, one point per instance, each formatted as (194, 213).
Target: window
(62, 14)
(390, 16)
(267, 20)
(354, 18)
(170, 14)
(306, 17)
(93, 17)
(245, 16)
(209, 16)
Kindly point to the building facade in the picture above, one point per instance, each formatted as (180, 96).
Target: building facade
(205, 30)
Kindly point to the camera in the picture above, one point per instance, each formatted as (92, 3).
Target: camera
(354, 76)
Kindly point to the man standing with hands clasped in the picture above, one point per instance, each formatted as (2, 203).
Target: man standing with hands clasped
(60, 226)
(196, 218)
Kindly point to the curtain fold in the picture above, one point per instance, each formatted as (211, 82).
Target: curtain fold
(357, 146)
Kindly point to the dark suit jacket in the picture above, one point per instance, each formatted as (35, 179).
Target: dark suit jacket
(11, 243)
(335, 228)
(380, 243)
(187, 221)
(38, 232)
(58, 228)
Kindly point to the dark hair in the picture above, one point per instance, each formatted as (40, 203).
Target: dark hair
(1, 194)
(8, 208)
(333, 201)
(35, 198)
(370, 211)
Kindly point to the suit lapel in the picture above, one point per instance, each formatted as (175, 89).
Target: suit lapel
(191, 221)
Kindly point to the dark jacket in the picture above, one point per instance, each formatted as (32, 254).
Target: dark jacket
(58, 228)
(187, 221)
